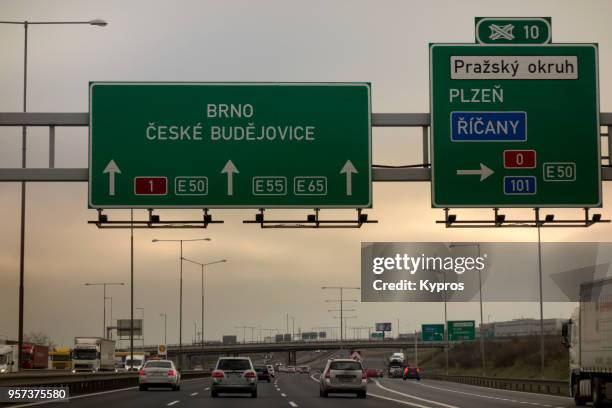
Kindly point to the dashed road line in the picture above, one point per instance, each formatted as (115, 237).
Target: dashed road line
(283, 394)
(172, 403)
(193, 394)
(398, 401)
(293, 404)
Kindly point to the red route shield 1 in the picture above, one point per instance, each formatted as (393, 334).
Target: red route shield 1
(150, 185)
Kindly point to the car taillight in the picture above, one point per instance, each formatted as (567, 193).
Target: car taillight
(171, 373)
(142, 373)
(328, 374)
(418, 370)
(249, 374)
(217, 374)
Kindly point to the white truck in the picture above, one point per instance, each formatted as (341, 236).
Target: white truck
(135, 364)
(93, 354)
(9, 362)
(396, 359)
(588, 335)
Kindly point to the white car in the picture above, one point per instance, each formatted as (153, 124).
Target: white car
(159, 373)
(234, 375)
(271, 370)
(343, 376)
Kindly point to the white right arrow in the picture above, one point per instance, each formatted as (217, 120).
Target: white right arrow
(111, 169)
(484, 172)
(349, 169)
(230, 169)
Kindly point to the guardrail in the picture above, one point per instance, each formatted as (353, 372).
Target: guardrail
(82, 383)
(552, 387)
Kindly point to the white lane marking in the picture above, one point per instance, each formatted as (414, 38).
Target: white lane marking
(172, 403)
(386, 398)
(283, 394)
(293, 404)
(193, 394)
(487, 396)
(398, 401)
(501, 390)
(207, 388)
(413, 397)
(93, 394)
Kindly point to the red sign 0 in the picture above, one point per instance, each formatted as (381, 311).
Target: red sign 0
(520, 159)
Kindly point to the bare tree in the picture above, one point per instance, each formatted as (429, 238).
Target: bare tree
(39, 338)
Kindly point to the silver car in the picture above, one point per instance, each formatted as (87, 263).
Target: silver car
(343, 376)
(159, 373)
(234, 375)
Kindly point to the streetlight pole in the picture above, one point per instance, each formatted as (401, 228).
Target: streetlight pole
(341, 288)
(180, 287)
(165, 331)
(24, 136)
(104, 285)
(202, 265)
(482, 341)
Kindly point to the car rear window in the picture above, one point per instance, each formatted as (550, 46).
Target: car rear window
(158, 364)
(345, 365)
(233, 365)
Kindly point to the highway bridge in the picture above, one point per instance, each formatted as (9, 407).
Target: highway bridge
(186, 352)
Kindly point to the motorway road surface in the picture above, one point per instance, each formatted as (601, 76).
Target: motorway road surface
(301, 390)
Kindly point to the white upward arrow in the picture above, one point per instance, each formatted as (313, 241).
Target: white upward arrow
(484, 172)
(230, 169)
(111, 169)
(349, 169)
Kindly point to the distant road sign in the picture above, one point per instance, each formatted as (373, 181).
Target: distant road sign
(124, 327)
(461, 330)
(515, 126)
(230, 145)
(513, 30)
(432, 332)
(383, 327)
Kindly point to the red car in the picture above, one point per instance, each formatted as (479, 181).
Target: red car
(372, 373)
(412, 372)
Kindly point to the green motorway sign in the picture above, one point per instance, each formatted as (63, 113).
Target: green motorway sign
(432, 332)
(461, 330)
(515, 126)
(513, 30)
(230, 145)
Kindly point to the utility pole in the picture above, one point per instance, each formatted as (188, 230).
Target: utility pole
(341, 300)
(104, 285)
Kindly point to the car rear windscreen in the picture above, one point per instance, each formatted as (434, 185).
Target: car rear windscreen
(158, 364)
(345, 365)
(234, 365)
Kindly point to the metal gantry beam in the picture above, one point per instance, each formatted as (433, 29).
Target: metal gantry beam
(379, 174)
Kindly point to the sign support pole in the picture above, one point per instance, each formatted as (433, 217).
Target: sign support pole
(132, 285)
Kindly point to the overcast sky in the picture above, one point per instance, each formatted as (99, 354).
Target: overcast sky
(269, 272)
